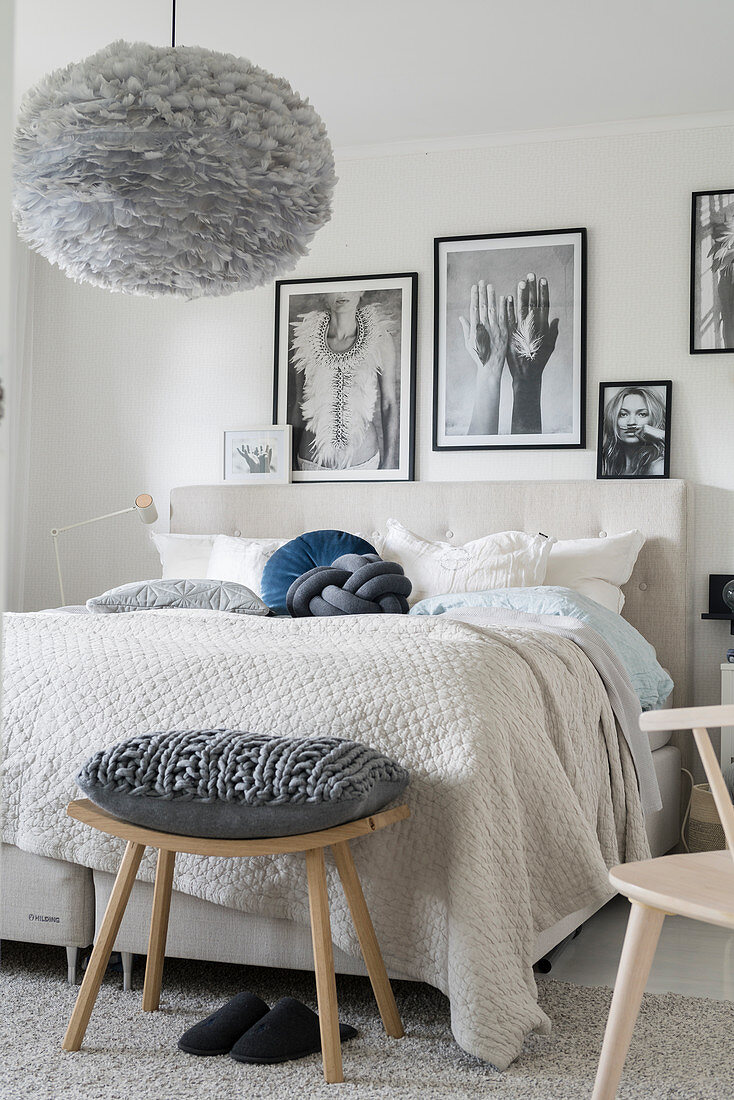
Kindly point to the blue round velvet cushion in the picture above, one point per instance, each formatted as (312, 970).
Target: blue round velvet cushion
(299, 555)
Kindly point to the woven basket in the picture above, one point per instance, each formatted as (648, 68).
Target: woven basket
(705, 831)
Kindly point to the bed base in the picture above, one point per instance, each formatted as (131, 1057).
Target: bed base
(47, 901)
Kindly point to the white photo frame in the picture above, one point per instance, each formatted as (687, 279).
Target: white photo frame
(260, 455)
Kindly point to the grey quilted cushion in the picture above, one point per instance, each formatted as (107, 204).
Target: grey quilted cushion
(199, 595)
(228, 783)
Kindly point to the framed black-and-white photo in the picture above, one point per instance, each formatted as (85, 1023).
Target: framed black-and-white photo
(345, 375)
(509, 340)
(634, 430)
(712, 272)
(258, 456)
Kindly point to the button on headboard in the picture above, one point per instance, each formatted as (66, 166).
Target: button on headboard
(656, 595)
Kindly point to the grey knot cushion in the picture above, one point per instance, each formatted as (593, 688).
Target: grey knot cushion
(195, 595)
(237, 785)
(354, 584)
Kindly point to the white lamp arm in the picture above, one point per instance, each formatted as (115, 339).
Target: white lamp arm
(143, 505)
(108, 515)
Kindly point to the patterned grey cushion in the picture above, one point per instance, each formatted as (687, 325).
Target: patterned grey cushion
(228, 783)
(200, 595)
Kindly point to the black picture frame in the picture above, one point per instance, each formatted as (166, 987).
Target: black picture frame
(602, 470)
(288, 289)
(573, 438)
(710, 319)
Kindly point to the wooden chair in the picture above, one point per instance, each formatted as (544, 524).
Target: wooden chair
(700, 886)
(312, 844)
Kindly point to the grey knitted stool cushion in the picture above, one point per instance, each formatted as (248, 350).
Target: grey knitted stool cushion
(354, 584)
(237, 785)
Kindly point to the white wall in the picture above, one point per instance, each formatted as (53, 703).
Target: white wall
(133, 394)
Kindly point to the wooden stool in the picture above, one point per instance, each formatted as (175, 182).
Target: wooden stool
(312, 844)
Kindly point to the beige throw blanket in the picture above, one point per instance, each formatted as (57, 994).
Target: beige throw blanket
(522, 792)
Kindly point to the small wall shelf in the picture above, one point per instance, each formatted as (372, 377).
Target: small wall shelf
(725, 618)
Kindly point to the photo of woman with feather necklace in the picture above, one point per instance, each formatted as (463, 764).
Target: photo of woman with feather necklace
(345, 351)
(345, 407)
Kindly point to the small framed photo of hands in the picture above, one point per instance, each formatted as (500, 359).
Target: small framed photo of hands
(510, 341)
(634, 430)
(258, 456)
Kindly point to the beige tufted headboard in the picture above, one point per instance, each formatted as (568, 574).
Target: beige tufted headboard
(656, 595)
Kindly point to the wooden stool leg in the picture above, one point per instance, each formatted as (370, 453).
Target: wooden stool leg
(641, 939)
(158, 930)
(323, 957)
(103, 947)
(367, 940)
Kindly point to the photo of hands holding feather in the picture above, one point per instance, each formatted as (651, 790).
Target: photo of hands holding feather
(515, 331)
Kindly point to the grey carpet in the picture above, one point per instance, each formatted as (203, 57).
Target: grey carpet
(682, 1048)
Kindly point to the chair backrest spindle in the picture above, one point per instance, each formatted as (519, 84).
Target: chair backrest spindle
(719, 790)
(698, 719)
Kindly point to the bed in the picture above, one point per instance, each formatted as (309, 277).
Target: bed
(57, 900)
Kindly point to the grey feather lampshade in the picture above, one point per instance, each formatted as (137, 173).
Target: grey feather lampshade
(170, 171)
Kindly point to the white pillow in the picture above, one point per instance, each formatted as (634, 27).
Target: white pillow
(241, 560)
(184, 557)
(509, 559)
(596, 567)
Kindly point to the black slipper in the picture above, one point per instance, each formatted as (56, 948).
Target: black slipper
(290, 1030)
(218, 1032)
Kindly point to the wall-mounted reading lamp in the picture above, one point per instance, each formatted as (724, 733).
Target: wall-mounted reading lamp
(143, 505)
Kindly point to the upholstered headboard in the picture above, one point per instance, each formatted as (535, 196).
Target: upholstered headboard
(656, 595)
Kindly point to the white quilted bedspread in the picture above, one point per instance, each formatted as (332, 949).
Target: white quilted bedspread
(522, 792)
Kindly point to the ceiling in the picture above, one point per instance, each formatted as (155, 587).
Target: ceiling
(388, 71)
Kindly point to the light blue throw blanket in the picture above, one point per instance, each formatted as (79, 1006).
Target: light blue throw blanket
(652, 683)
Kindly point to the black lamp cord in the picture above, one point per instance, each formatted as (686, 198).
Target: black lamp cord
(173, 24)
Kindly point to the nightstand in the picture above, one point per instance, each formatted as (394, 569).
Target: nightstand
(727, 696)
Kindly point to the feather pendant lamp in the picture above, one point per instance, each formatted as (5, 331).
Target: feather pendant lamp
(170, 171)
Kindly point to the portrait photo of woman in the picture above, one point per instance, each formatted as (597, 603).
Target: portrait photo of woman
(344, 377)
(634, 430)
